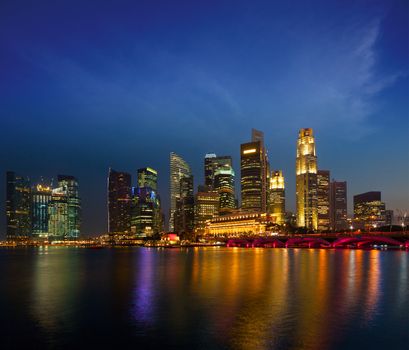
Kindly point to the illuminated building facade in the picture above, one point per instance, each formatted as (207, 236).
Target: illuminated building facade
(239, 224)
(206, 208)
(179, 169)
(338, 197)
(146, 213)
(70, 185)
(251, 176)
(185, 209)
(306, 181)
(258, 136)
(224, 185)
(146, 206)
(369, 210)
(58, 214)
(209, 169)
(323, 195)
(211, 164)
(276, 203)
(41, 197)
(119, 201)
(18, 206)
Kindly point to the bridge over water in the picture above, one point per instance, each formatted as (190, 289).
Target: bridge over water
(319, 242)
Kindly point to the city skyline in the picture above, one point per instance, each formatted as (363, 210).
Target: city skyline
(196, 84)
(138, 211)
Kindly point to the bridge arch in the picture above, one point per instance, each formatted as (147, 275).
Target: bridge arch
(360, 242)
(310, 242)
(267, 243)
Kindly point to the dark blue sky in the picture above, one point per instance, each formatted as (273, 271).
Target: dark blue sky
(85, 85)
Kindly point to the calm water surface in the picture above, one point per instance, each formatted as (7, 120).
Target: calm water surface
(204, 298)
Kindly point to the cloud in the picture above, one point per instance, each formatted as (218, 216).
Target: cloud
(336, 84)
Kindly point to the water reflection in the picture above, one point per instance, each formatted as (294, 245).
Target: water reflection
(55, 288)
(216, 298)
(143, 293)
(264, 298)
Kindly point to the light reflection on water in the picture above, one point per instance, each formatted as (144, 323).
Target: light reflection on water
(227, 298)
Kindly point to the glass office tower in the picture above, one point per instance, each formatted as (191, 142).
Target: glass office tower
(41, 197)
(338, 196)
(70, 186)
(224, 185)
(323, 197)
(119, 201)
(179, 169)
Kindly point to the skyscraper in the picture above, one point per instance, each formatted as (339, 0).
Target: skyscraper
(224, 185)
(277, 196)
(185, 214)
(251, 176)
(119, 201)
(254, 173)
(208, 169)
(70, 185)
(18, 206)
(211, 164)
(323, 195)
(58, 226)
(369, 210)
(206, 208)
(41, 197)
(178, 169)
(338, 207)
(258, 136)
(146, 205)
(306, 181)
(146, 215)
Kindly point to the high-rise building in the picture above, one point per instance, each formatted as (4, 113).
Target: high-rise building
(119, 201)
(178, 169)
(369, 210)
(323, 195)
(251, 176)
(18, 206)
(258, 136)
(211, 164)
(146, 206)
(224, 186)
(306, 181)
(206, 208)
(41, 197)
(254, 174)
(185, 213)
(208, 169)
(70, 185)
(58, 222)
(276, 203)
(146, 214)
(338, 206)
(148, 177)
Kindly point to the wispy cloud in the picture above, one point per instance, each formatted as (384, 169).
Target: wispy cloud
(336, 85)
